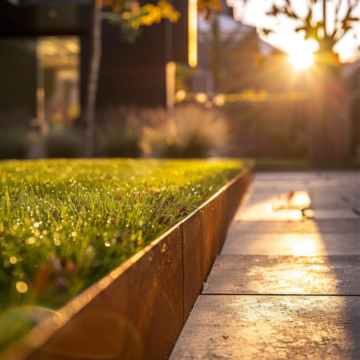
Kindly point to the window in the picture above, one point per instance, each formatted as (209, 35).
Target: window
(58, 79)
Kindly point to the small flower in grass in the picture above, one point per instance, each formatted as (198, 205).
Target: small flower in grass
(70, 266)
(181, 208)
(163, 220)
(61, 282)
(113, 219)
(122, 237)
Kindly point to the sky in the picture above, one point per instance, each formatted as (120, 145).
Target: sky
(284, 38)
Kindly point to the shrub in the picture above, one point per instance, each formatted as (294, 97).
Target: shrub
(120, 143)
(14, 144)
(189, 131)
(269, 129)
(14, 140)
(118, 130)
(63, 142)
(18, 119)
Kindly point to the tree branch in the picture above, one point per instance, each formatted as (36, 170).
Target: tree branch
(337, 10)
(324, 16)
(343, 34)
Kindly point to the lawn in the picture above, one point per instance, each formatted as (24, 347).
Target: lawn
(66, 223)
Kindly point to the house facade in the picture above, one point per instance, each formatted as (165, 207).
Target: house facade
(45, 48)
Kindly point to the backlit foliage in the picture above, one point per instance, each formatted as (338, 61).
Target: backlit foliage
(207, 6)
(130, 15)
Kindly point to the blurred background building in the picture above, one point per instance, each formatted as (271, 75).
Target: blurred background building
(45, 51)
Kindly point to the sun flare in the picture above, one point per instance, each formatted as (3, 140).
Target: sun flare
(301, 60)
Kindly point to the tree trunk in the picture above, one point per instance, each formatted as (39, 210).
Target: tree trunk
(215, 53)
(329, 137)
(328, 118)
(95, 59)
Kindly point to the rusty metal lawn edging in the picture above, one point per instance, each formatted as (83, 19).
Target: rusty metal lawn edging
(139, 309)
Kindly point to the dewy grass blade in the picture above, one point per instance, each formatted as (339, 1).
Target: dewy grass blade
(66, 223)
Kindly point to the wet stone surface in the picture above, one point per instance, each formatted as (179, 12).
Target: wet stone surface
(338, 275)
(271, 327)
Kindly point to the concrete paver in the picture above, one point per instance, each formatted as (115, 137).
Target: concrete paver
(306, 226)
(285, 285)
(260, 213)
(306, 175)
(254, 274)
(295, 243)
(271, 327)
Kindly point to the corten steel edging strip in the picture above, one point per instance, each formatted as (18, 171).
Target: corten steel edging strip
(139, 309)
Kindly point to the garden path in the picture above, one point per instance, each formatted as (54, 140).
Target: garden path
(284, 285)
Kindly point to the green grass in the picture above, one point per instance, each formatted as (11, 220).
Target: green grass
(64, 224)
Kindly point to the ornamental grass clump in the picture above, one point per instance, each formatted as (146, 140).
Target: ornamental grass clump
(64, 224)
(63, 142)
(189, 131)
(118, 131)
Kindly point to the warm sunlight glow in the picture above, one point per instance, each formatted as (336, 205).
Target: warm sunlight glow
(180, 95)
(193, 33)
(301, 60)
(300, 200)
(305, 247)
(301, 55)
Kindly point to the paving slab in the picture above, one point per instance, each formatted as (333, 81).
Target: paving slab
(254, 274)
(327, 214)
(299, 244)
(285, 285)
(288, 186)
(305, 226)
(337, 204)
(271, 327)
(303, 185)
(281, 199)
(337, 193)
(306, 175)
(316, 203)
(261, 213)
